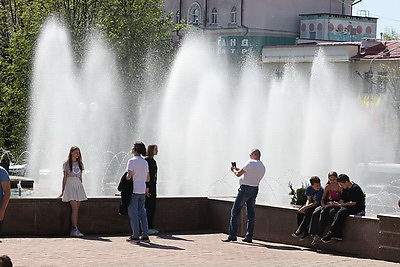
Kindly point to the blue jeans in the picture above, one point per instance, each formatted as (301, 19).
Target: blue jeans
(137, 215)
(246, 195)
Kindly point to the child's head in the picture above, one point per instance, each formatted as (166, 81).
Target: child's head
(315, 182)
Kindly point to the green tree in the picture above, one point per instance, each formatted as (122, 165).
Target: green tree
(392, 81)
(19, 23)
(79, 16)
(390, 34)
(134, 29)
(299, 197)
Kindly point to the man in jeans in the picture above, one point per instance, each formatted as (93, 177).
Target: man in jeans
(353, 203)
(253, 171)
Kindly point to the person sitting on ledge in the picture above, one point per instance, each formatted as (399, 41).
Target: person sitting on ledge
(323, 214)
(353, 203)
(314, 194)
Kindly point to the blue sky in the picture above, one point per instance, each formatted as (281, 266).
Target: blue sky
(387, 12)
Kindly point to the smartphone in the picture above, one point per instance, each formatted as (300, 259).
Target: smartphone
(233, 164)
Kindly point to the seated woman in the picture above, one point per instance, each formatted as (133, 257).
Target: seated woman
(324, 213)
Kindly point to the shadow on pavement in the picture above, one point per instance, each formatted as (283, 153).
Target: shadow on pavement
(157, 246)
(172, 236)
(96, 238)
(279, 247)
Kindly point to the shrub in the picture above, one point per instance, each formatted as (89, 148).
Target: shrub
(299, 195)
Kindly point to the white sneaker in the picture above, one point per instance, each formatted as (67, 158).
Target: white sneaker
(75, 233)
(315, 240)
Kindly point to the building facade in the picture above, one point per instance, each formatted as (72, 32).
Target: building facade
(372, 65)
(243, 26)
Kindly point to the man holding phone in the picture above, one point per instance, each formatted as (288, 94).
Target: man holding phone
(253, 171)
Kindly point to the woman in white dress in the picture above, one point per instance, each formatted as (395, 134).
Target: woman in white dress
(72, 187)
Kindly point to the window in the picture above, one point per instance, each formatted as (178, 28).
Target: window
(194, 14)
(214, 16)
(233, 15)
(178, 17)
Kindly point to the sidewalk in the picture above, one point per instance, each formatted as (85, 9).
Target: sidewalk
(167, 250)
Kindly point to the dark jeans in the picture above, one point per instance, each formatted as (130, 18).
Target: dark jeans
(303, 220)
(150, 209)
(246, 195)
(1, 227)
(336, 229)
(321, 218)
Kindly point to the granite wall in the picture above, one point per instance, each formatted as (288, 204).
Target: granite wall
(376, 237)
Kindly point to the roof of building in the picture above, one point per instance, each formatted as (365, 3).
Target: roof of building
(368, 49)
(339, 16)
(338, 43)
(379, 50)
(315, 43)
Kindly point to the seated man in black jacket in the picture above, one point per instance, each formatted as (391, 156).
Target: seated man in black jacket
(353, 203)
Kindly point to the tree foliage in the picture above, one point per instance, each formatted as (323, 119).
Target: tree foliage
(390, 78)
(132, 28)
(19, 24)
(393, 80)
(299, 197)
(390, 34)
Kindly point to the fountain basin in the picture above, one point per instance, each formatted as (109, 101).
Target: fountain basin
(371, 237)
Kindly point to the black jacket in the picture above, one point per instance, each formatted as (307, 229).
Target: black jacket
(126, 189)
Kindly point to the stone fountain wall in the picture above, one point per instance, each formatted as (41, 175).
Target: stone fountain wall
(376, 237)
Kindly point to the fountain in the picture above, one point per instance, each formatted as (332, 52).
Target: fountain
(73, 105)
(207, 115)
(304, 123)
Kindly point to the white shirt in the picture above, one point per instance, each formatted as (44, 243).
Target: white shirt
(254, 172)
(139, 168)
